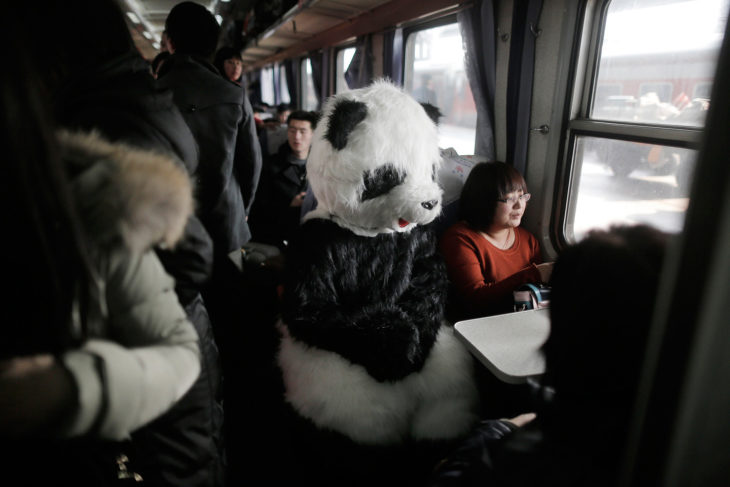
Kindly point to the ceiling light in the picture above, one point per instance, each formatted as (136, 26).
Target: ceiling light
(147, 35)
(133, 17)
(219, 19)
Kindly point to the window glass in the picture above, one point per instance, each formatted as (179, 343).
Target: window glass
(309, 97)
(434, 73)
(628, 182)
(661, 55)
(655, 68)
(267, 86)
(284, 96)
(344, 57)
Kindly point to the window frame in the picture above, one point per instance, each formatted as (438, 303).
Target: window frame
(579, 123)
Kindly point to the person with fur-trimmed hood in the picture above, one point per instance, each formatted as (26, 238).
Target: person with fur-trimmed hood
(97, 80)
(134, 353)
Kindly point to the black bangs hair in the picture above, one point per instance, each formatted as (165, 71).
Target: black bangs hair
(509, 182)
(487, 182)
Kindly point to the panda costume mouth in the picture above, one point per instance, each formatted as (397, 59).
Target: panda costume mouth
(403, 223)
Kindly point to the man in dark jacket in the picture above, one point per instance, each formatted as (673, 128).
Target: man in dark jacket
(221, 120)
(99, 81)
(276, 214)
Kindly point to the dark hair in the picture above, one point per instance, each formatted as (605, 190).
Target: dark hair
(222, 55)
(192, 29)
(59, 51)
(282, 107)
(601, 306)
(487, 182)
(311, 117)
(159, 59)
(44, 255)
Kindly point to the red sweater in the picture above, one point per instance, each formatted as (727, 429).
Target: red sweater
(482, 276)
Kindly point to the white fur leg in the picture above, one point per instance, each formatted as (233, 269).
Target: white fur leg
(449, 397)
(339, 395)
(440, 402)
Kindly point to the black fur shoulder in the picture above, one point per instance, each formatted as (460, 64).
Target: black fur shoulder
(377, 301)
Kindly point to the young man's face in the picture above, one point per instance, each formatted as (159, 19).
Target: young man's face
(300, 137)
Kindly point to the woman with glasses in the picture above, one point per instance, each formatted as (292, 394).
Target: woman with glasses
(487, 254)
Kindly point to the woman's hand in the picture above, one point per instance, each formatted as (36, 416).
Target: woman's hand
(546, 270)
(522, 419)
(298, 199)
(35, 392)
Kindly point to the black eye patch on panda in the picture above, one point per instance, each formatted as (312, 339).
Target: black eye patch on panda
(343, 120)
(381, 181)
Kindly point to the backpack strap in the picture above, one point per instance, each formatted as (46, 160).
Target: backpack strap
(534, 289)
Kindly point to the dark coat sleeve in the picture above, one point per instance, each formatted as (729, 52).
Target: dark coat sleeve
(248, 159)
(469, 464)
(191, 261)
(272, 218)
(376, 301)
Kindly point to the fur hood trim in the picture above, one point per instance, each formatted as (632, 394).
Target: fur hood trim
(126, 195)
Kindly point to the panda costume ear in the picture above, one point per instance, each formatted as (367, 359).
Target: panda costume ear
(433, 112)
(343, 120)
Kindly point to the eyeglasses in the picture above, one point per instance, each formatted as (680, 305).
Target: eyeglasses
(513, 199)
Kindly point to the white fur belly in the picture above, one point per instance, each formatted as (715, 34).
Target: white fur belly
(438, 402)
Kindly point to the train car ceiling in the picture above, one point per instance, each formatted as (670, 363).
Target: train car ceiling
(268, 31)
(316, 24)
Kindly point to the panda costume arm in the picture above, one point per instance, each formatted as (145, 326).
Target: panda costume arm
(376, 301)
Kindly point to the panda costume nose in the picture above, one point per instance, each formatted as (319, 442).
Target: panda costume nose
(429, 205)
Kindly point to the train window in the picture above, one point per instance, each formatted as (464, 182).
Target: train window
(344, 57)
(309, 96)
(662, 92)
(284, 96)
(605, 90)
(702, 90)
(434, 73)
(657, 51)
(605, 194)
(633, 139)
(267, 86)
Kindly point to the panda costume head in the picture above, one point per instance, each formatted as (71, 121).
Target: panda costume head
(374, 161)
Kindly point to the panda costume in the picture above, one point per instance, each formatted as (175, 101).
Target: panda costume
(369, 367)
